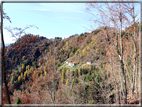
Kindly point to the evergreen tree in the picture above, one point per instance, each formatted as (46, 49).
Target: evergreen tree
(63, 76)
(67, 82)
(67, 72)
(19, 78)
(18, 101)
(76, 73)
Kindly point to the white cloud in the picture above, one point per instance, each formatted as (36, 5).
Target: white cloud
(62, 7)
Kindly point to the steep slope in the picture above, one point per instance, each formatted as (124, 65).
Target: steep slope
(37, 65)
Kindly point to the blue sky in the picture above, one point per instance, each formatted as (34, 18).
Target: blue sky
(52, 19)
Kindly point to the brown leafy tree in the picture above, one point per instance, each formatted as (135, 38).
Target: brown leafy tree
(17, 35)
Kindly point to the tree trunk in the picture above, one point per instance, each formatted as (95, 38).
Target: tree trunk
(134, 69)
(54, 91)
(135, 51)
(4, 69)
(121, 55)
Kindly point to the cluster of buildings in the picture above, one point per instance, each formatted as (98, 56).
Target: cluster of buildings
(72, 64)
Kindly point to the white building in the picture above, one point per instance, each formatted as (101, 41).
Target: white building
(89, 62)
(71, 64)
(67, 62)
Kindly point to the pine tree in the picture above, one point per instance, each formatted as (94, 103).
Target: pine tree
(41, 75)
(67, 82)
(82, 67)
(20, 70)
(45, 73)
(18, 101)
(24, 74)
(91, 67)
(34, 72)
(27, 67)
(46, 63)
(39, 64)
(22, 66)
(21, 76)
(63, 76)
(19, 79)
(31, 69)
(79, 72)
(67, 72)
(28, 72)
(12, 79)
(14, 92)
(87, 67)
(76, 73)
(16, 82)
(44, 67)
(23, 57)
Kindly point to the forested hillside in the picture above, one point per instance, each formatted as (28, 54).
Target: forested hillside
(38, 72)
(100, 67)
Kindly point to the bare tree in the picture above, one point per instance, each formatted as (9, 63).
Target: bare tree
(134, 32)
(115, 14)
(3, 57)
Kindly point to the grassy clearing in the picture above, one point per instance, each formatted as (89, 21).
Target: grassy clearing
(62, 66)
(68, 67)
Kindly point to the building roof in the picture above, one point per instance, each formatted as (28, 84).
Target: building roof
(71, 62)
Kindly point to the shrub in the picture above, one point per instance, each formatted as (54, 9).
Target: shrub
(84, 78)
(75, 80)
(98, 78)
(94, 68)
(103, 53)
(18, 101)
(86, 87)
(90, 102)
(93, 75)
(62, 51)
(129, 61)
(96, 32)
(88, 77)
(43, 85)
